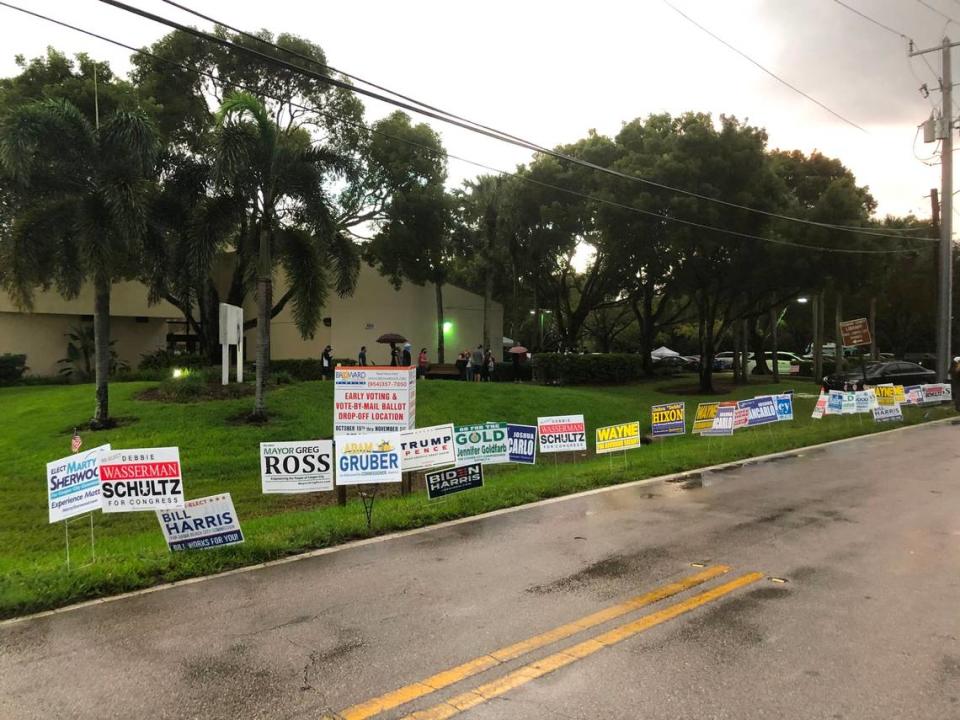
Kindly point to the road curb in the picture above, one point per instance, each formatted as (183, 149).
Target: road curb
(793, 452)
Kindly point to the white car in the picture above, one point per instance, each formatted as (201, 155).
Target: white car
(787, 363)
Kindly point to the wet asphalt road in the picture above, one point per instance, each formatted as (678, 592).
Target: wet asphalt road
(867, 534)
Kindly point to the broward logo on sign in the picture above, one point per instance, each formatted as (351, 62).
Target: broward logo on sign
(427, 447)
(668, 419)
(485, 443)
(296, 467)
(73, 484)
(454, 480)
(368, 458)
(141, 479)
(562, 433)
(618, 437)
(201, 524)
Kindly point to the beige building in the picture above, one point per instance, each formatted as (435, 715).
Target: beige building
(374, 308)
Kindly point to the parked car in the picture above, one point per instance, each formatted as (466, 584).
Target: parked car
(674, 364)
(897, 372)
(788, 362)
(724, 360)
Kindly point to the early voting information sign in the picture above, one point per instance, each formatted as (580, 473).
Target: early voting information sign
(454, 480)
(618, 437)
(668, 419)
(296, 467)
(73, 484)
(141, 479)
(522, 444)
(427, 447)
(374, 399)
(201, 524)
(562, 433)
(367, 459)
(483, 443)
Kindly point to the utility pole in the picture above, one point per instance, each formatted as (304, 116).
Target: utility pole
(944, 132)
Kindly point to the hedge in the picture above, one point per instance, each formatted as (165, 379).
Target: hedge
(306, 368)
(12, 368)
(601, 369)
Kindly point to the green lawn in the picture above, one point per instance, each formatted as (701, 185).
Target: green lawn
(36, 423)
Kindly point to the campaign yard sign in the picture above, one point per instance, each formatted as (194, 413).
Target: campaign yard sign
(427, 448)
(485, 443)
(914, 394)
(618, 437)
(522, 443)
(760, 410)
(374, 400)
(784, 407)
(887, 413)
(562, 433)
(668, 419)
(865, 400)
(703, 420)
(820, 408)
(201, 524)
(73, 484)
(296, 467)
(368, 458)
(848, 405)
(936, 393)
(454, 480)
(722, 421)
(835, 402)
(141, 479)
(886, 395)
(741, 417)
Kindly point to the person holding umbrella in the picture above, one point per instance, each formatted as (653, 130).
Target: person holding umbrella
(517, 352)
(407, 355)
(392, 339)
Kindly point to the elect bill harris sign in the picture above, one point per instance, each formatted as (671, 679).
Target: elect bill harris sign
(201, 524)
(141, 479)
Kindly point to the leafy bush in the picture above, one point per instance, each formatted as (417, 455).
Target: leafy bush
(12, 368)
(194, 385)
(504, 372)
(160, 359)
(605, 369)
(281, 377)
(305, 368)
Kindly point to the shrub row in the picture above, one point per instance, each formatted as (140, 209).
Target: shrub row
(569, 369)
(305, 368)
(12, 368)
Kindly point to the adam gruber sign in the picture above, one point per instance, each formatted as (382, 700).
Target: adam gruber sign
(855, 332)
(141, 479)
(374, 400)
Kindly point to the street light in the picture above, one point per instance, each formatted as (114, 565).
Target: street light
(803, 300)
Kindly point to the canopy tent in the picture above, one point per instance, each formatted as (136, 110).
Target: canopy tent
(663, 352)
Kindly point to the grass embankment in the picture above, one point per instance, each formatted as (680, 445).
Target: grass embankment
(36, 423)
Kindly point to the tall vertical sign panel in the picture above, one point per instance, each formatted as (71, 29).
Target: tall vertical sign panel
(374, 400)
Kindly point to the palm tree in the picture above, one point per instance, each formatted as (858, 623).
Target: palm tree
(80, 198)
(281, 173)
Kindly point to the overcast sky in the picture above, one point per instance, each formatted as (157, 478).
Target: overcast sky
(550, 71)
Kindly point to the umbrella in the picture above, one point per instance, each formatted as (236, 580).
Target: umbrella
(518, 350)
(391, 338)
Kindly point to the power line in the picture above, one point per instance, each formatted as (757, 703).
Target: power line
(933, 9)
(659, 216)
(874, 21)
(757, 64)
(474, 127)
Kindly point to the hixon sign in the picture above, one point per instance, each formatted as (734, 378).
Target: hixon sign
(296, 467)
(483, 443)
(668, 419)
(141, 479)
(427, 447)
(522, 443)
(562, 433)
(374, 399)
(73, 484)
(370, 458)
(201, 524)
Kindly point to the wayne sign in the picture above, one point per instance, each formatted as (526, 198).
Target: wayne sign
(374, 399)
(141, 479)
(201, 524)
(618, 437)
(454, 480)
(427, 447)
(562, 433)
(296, 467)
(73, 484)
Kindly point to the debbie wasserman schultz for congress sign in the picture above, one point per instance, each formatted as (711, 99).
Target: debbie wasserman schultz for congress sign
(201, 524)
(141, 479)
(562, 433)
(296, 467)
(618, 437)
(485, 443)
(454, 480)
(668, 419)
(427, 447)
(369, 458)
(73, 484)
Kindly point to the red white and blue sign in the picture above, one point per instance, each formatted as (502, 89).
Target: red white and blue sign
(762, 410)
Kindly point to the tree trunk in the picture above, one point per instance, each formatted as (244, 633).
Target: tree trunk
(757, 345)
(874, 350)
(101, 344)
(707, 351)
(264, 305)
(838, 348)
(647, 331)
(773, 342)
(735, 338)
(818, 337)
(438, 287)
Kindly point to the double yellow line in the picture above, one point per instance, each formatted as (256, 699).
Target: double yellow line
(534, 670)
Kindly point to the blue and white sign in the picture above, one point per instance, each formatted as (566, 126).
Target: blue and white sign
(887, 413)
(784, 407)
(369, 458)
(762, 410)
(73, 484)
(835, 402)
(722, 421)
(522, 443)
(865, 400)
(201, 524)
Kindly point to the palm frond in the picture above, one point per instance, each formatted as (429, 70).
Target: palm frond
(303, 266)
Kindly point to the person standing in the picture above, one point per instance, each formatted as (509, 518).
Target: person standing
(326, 363)
(955, 382)
(462, 366)
(394, 355)
(515, 358)
(407, 355)
(470, 368)
(362, 358)
(477, 359)
(422, 364)
(489, 366)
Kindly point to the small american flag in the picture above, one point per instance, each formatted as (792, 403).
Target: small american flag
(76, 441)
